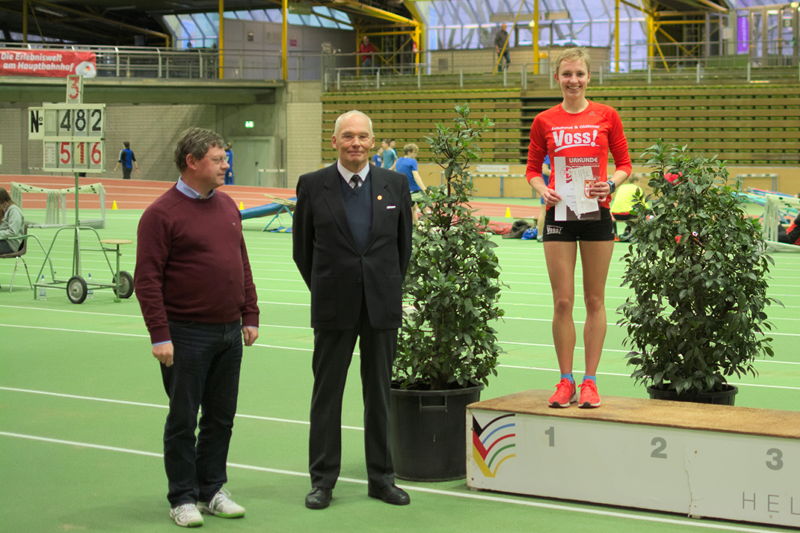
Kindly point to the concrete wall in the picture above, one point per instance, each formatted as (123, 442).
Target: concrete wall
(151, 115)
(253, 49)
(303, 130)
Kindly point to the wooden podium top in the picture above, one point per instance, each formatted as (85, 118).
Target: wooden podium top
(685, 415)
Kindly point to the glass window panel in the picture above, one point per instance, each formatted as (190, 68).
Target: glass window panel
(172, 22)
(260, 15)
(190, 31)
(204, 25)
(342, 16)
(244, 15)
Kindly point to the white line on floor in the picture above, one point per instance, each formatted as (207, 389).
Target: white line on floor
(438, 492)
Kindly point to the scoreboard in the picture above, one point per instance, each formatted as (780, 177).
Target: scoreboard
(72, 134)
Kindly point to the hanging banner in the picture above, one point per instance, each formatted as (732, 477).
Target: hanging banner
(48, 63)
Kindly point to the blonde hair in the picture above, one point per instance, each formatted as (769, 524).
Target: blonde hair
(573, 54)
(410, 148)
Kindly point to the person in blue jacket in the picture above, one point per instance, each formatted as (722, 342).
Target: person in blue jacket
(229, 172)
(128, 161)
(408, 166)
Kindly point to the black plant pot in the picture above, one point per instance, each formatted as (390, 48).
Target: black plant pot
(723, 397)
(427, 431)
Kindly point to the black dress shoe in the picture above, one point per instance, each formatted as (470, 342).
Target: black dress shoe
(390, 494)
(319, 498)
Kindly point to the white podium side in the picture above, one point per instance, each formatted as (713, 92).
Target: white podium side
(714, 461)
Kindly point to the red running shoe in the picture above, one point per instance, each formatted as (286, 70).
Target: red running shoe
(565, 394)
(589, 396)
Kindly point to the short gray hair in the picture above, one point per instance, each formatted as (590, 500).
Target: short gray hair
(196, 141)
(344, 116)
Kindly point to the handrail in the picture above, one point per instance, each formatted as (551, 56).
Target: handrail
(445, 68)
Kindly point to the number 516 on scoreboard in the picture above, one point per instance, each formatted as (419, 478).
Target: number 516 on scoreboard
(77, 156)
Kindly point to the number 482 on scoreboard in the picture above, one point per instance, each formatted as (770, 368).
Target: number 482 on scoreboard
(83, 156)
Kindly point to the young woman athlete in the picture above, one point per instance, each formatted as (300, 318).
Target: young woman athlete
(578, 135)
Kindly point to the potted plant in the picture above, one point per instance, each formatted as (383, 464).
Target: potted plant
(698, 269)
(447, 347)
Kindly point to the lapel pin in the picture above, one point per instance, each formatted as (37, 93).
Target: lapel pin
(380, 197)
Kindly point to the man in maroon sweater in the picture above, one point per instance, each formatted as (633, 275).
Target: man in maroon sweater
(196, 291)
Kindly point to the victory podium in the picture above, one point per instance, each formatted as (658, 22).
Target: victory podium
(699, 460)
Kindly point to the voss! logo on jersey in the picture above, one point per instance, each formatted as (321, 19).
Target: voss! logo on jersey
(571, 139)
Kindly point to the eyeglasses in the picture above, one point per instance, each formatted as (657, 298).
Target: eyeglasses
(350, 137)
(218, 160)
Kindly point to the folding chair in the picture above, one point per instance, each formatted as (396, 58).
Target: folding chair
(18, 256)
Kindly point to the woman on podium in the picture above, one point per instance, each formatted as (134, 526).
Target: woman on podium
(577, 135)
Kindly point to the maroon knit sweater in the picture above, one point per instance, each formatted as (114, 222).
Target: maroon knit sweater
(192, 265)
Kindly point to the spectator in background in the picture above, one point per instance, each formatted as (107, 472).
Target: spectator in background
(501, 48)
(790, 235)
(366, 52)
(622, 206)
(377, 159)
(408, 165)
(229, 172)
(11, 223)
(389, 154)
(128, 161)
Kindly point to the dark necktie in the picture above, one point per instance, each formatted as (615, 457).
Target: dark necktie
(355, 181)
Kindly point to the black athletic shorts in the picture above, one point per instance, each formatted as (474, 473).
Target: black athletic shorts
(578, 230)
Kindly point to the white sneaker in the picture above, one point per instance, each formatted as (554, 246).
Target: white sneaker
(222, 505)
(186, 515)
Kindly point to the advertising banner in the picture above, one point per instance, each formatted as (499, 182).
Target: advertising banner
(47, 63)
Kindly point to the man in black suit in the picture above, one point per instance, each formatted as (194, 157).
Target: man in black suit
(352, 245)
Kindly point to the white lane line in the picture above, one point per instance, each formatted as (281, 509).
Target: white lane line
(157, 406)
(277, 347)
(509, 318)
(127, 315)
(439, 492)
(67, 330)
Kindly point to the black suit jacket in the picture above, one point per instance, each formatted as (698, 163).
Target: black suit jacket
(338, 275)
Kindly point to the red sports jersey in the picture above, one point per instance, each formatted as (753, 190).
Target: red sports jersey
(578, 139)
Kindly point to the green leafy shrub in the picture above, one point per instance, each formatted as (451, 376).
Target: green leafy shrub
(452, 286)
(698, 269)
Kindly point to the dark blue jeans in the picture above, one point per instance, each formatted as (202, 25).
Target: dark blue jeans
(205, 373)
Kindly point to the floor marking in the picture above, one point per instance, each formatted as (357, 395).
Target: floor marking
(66, 330)
(411, 488)
(158, 406)
(272, 346)
(525, 319)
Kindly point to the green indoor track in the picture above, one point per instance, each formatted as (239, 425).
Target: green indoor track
(82, 408)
